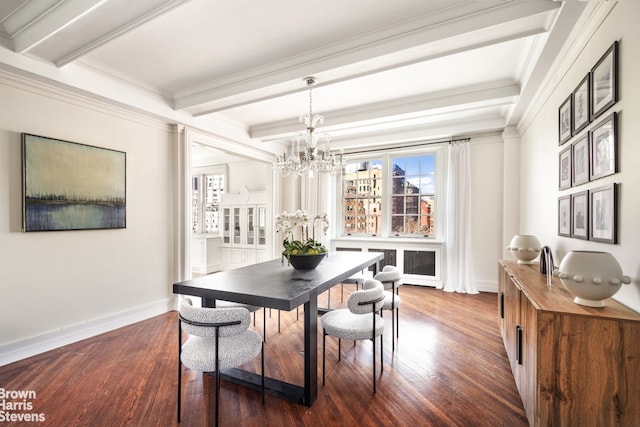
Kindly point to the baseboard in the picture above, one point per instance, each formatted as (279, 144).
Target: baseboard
(487, 286)
(22, 349)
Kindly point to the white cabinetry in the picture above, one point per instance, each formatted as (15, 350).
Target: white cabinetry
(246, 229)
(205, 254)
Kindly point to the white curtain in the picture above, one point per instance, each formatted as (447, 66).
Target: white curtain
(458, 220)
(316, 192)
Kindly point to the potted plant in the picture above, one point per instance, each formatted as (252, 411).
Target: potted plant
(302, 250)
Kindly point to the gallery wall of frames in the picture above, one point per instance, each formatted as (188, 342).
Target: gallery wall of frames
(588, 140)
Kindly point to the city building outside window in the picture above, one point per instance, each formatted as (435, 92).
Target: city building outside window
(207, 191)
(390, 195)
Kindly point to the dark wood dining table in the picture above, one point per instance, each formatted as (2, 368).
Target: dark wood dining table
(274, 284)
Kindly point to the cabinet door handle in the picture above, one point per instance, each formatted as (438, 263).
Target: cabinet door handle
(502, 305)
(519, 344)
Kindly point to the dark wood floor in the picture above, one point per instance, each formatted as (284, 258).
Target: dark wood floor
(449, 369)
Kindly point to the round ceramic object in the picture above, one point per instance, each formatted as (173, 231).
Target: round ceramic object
(525, 248)
(591, 277)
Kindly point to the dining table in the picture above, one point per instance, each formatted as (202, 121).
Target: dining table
(277, 285)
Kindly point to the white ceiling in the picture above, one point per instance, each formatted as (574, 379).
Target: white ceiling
(440, 67)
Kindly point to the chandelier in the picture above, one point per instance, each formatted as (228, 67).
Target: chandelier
(309, 149)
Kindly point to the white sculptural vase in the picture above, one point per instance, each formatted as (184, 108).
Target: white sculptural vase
(525, 248)
(591, 277)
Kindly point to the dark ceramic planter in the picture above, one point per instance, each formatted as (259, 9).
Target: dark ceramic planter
(306, 262)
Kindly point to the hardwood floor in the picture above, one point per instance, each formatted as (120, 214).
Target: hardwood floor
(449, 369)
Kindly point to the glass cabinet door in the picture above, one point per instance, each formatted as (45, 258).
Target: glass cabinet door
(262, 226)
(226, 217)
(251, 225)
(236, 227)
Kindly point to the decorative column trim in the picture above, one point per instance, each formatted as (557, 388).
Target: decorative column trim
(510, 186)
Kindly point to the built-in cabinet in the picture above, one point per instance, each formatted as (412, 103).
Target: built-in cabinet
(573, 365)
(205, 253)
(245, 229)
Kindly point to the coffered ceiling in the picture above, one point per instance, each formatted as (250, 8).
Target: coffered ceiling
(440, 67)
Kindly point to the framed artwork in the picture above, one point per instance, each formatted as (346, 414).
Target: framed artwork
(564, 216)
(581, 100)
(565, 168)
(564, 121)
(580, 215)
(604, 82)
(603, 148)
(580, 163)
(603, 202)
(71, 186)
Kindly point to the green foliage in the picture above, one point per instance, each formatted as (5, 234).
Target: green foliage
(297, 247)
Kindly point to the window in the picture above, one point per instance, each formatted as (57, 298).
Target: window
(390, 195)
(362, 196)
(412, 195)
(207, 191)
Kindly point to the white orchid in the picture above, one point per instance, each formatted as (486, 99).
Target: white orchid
(295, 227)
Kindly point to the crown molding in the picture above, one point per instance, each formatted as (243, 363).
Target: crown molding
(88, 102)
(595, 13)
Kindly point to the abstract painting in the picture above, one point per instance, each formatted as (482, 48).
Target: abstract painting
(71, 186)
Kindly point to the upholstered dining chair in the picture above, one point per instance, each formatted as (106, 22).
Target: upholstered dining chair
(359, 321)
(356, 279)
(219, 339)
(252, 309)
(392, 279)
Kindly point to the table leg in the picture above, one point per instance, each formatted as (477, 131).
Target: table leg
(311, 350)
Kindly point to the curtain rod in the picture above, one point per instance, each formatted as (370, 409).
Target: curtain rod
(419, 144)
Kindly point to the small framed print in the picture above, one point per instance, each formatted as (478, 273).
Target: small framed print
(603, 148)
(581, 101)
(603, 202)
(604, 82)
(580, 163)
(580, 215)
(564, 216)
(564, 121)
(565, 168)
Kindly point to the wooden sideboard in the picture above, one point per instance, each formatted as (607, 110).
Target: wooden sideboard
(573, 365)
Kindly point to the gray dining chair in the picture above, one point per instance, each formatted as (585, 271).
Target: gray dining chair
(252, 309)
(219, 338)
(359, 321)
(391, 278)
(356, 279)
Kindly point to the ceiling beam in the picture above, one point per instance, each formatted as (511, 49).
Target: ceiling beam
(127, 27)
(499, 93)
(422, 38)
(39, 25)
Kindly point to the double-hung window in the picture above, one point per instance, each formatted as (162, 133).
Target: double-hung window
(390, 195)
(207, 190)
(362, 197)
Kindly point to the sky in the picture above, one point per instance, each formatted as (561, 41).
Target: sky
(69, 169)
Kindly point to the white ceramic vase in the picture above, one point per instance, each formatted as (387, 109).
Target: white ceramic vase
(525, 248)
(591, 277)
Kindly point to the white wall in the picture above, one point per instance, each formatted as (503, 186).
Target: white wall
(539, 147)
(58, 285)
(250, 174)
(486, 210)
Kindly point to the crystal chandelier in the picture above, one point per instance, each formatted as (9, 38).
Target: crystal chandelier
(309, 149)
